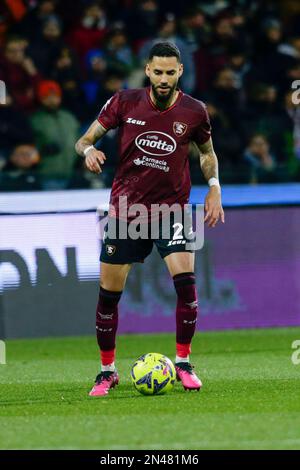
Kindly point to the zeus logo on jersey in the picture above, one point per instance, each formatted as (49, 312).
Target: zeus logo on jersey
(156, 143)
(135, 121)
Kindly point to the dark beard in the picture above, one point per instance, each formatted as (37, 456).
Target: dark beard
(162, 99)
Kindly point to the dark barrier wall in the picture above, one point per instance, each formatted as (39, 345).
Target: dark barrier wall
(248, 275)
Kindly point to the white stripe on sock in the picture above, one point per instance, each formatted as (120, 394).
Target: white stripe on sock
(182, 359)
(109, 368)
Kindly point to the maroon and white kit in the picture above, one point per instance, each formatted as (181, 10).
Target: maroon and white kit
(153, 165)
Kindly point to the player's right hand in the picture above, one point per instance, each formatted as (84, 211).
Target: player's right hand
(94, 159)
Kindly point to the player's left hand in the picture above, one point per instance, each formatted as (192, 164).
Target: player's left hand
(213, 207)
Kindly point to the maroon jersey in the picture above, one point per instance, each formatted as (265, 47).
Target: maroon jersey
(153, 165)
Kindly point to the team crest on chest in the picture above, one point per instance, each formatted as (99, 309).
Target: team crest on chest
(179, 128)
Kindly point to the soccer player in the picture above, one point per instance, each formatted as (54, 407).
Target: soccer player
(156, 125)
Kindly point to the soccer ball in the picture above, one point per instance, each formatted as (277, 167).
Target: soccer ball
(153, 374)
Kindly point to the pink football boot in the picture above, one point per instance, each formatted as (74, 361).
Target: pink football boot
(186, 375)
(104, 382)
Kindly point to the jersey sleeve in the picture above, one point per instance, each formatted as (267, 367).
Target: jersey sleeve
(203, 130)
(109, 116)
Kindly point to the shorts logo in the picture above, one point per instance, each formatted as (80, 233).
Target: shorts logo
(110, 249)
(155, 143)
(179, 128)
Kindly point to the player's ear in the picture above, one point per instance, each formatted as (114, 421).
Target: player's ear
(147, 70)
(180, 70)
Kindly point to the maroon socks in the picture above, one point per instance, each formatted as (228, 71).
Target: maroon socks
(186, 318)
(107, 324)
(186, 312)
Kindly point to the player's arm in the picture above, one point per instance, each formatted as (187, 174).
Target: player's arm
(85, 147)
(210, 169)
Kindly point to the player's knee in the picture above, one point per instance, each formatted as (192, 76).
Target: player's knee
(114, 285)
(113, 277)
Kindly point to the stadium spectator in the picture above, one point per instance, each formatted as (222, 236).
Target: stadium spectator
(222, 39)
(96, 65)
(193, 27)
(214, 54)
(262, 164)
(14, 128)
(96, 70)
(239, 63)
(229, 101)
(10, 12)
(66, 72)
(55, 131)
(262, 109)
(19, 73)
(20, 172)
(112, 82)
(32, 23)
(142, 21)
(47, 48)
(275, 59)
(279, 123)
(91, 31)
(269, 38)
(292, 70)
(228, 143)
(117, 51)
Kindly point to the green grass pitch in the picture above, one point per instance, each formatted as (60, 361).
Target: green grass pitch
(250, 397)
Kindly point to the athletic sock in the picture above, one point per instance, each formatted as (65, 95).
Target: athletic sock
(107, 324)
(109, 368)
(186, 312)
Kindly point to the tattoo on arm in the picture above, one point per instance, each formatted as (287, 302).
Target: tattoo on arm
(92, 135)
(208, 160)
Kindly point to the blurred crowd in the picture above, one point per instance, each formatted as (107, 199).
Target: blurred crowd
(62, 59)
